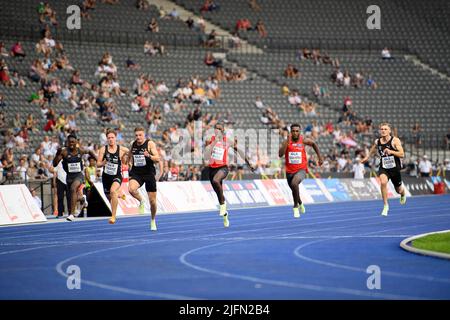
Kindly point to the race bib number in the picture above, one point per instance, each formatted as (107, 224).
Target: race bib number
(295, 157)
(217, 153)
(388, 162)
(74, 167)
(111, 168)
(139, 160)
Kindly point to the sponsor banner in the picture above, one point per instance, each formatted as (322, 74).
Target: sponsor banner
(418, 186)
(275, 193)
(316, 190)
(238, 194)
(337, 189)
(172, 197)
(17, 206)
(363, 189)
(391, 189)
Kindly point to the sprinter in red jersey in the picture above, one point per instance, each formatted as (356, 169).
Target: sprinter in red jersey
(216, 154)
(293, 149)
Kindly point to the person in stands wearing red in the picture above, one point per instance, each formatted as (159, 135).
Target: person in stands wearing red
(293, 149)
(216, 153)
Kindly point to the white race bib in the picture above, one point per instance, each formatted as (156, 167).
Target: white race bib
(74, 167)
(139, 160)
(93, 177)
(295, 157)
(388, 162)
(111, 168)
(217, 153)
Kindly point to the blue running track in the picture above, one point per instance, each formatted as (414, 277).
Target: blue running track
(264, 254)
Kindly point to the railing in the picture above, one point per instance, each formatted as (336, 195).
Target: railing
(198, 39)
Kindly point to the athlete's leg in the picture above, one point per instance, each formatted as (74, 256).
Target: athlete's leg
(384, 193)
(295, 187)
(113, 195)
(74, 186)
(153, 208)
(216, 183)
(133, 186)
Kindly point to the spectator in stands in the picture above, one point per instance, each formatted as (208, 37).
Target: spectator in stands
(285, 89)
(447, 165)
(235, 41)
(3, 51)
(243, 24)
(209, 6)
(294, 98)
(416, 132)
(17, 50)
(425, 167)
(261, 28)
(2, 103)
(36, 199)
(212, 41)
(17, 80)
(371, 83)
(211, 61)
(346, 80)
(153, 26)
(254, 5)
(142, 5)
(4, 74)
(259, 104)
(386, 54)
(174, 14)
(190, 23)
(291, 72)
(201, 24)
(358, 169)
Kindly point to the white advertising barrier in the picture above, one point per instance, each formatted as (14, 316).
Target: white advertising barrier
(17, 206)
(179, 196)
(391, 189)
(187, 196)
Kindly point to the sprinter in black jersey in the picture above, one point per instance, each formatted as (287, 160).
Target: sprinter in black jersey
(390, 151)
(72, 163)
(143, 155)
(110, 157)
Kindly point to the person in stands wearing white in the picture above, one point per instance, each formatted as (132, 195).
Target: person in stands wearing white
(425, 167)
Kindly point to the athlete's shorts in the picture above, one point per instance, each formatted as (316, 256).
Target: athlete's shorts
(149, 180)
(290, 176)
(75, 177)
(393, 175)
(214, 171)
(108, 180)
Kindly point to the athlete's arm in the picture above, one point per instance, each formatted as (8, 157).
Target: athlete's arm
(208, 150)
(372, 151)
(58, 157)
(100, 161)
(91, 153)
(125, 152)
(242, 155)
(283, 148)
(154, 154)
(396, 143)
(130, 156)
(314, 145)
